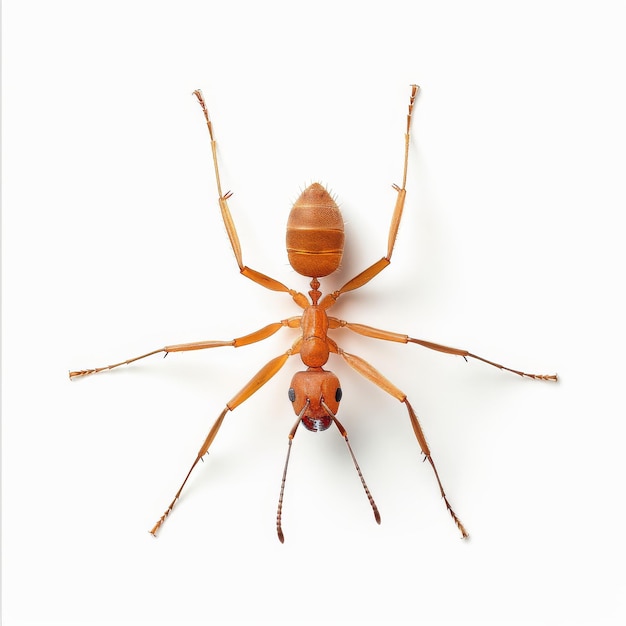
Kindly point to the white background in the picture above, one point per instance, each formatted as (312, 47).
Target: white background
(511, 246)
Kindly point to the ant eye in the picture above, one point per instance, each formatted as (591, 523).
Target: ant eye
(338, 394)
(292, 394)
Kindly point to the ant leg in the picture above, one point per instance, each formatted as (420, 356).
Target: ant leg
(257, 277)
(253, 385)
(373, 375)
(386, 335)
(257, 335)
(366, 275)
(203, 450)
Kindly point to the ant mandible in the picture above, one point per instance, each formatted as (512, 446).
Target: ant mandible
(315, 240)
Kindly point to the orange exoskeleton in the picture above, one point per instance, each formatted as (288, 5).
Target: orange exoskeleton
(315, 242)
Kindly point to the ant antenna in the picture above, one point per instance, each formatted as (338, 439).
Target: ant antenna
(344, 434)
(292, 434)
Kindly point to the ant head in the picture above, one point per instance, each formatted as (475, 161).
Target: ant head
(315, 395)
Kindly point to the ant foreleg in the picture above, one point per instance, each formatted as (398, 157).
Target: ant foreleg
(373, 375)
(253, 385)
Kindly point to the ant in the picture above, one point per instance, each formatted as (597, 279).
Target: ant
(315, 241)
